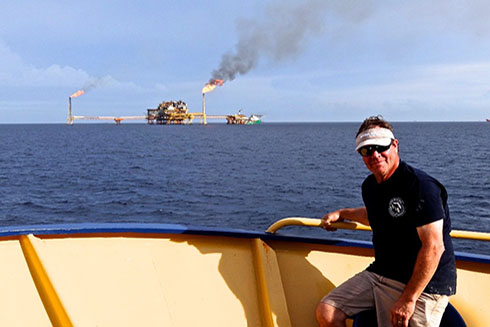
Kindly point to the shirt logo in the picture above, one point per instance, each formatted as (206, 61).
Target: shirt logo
(396, 208)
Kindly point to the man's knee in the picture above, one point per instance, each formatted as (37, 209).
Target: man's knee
(328, 315)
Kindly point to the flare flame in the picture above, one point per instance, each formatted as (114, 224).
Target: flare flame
(211, 85)
(77, 94)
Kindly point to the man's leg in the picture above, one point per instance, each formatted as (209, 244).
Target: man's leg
(351, 297)
(329, 316)
(429, 308)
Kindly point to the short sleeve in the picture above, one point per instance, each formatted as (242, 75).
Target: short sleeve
(431, 202)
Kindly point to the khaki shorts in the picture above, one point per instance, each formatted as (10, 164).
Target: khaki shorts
(368, 290)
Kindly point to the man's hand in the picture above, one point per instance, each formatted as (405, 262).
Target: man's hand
(329, 218)
(401, 312)
(354, 214)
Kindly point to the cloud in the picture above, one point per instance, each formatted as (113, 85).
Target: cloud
(426, 91)
(15, 73)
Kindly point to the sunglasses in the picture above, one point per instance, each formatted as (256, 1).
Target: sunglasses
(368, 150)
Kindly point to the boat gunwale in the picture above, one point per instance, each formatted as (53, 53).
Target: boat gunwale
(92, 229)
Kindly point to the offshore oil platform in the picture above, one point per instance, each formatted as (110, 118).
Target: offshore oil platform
(171, 113)
(177, 113)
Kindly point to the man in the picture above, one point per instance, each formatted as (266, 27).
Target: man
(414, 270)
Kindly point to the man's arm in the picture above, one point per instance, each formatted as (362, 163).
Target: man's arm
(427, 260)
(354, 214)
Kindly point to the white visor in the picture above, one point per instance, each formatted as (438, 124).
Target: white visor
(374, 136)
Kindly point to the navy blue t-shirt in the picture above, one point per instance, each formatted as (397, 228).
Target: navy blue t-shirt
(408, 199)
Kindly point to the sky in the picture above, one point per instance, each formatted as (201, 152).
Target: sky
(290, 60)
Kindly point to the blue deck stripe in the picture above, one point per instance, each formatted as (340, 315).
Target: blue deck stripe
(148, 228)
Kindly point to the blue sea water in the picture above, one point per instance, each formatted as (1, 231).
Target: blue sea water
(228, 176)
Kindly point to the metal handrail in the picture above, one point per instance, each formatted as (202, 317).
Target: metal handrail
(315, 222)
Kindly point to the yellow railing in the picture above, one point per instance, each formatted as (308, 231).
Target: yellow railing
(315, 222)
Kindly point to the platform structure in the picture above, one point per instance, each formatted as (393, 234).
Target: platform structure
(179, 118)
(116, 120)
(71, 118)
(177, 113)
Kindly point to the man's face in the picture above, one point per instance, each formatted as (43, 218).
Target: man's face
(383, 164)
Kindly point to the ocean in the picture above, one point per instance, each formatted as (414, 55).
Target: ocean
(230, 176)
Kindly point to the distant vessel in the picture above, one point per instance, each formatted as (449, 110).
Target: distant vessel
(488, 120)
(241, 119)
(254, 119)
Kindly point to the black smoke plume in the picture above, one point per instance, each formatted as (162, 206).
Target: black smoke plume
(283, 32)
